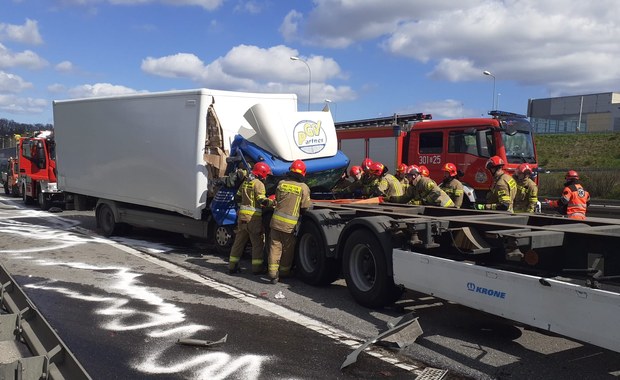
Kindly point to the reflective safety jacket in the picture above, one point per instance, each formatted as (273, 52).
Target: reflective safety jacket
(573, 202)
(502, 193)
(251, 194)
(424, 191)
(388, 186)
(454, 188)
(291, 197)
(526, 197)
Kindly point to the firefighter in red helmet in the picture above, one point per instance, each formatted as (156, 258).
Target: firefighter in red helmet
(385, 184)
(451, 184)
(574, 200)
(422, 190)
(251, 197)
(401, 174)
(292, 200)
(503, 190)
(424, 171)
(526, 199)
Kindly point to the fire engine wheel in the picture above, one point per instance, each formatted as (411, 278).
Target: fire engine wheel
(44, 203)
(311, 262)
(27, 199)
(106, 221)
(224, 238)
(365, 271)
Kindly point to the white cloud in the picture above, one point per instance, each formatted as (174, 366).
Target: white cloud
(10, 83)
(560, 43)
(27, 59)
(99, 89)
(250, 68)
(17, 105)
(27, 33)
(250, 6)
(65, 67)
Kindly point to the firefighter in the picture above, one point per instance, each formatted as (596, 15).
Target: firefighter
(574, 200)
(292, 200)
(422, 190)
(385, 184)
(424, 171)
(526, 199)
(451, 185)
(368, 180)
(401, 174)
(502, 193)
(251, 195)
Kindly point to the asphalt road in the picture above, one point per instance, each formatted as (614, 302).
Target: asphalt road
(122, 304)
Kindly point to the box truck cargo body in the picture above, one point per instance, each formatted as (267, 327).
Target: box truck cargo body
(153, 149)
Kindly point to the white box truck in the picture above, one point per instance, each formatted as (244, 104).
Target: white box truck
(150, 159)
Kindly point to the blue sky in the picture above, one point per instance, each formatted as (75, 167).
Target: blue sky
(370, 58)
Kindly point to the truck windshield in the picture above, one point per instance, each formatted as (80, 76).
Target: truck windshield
(321, 181)
(519, 147)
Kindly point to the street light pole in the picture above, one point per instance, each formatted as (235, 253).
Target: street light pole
(485, 72)
(309, 76)
(328, 101)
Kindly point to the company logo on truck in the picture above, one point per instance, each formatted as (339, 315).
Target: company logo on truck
(486, 291)
(309, 136)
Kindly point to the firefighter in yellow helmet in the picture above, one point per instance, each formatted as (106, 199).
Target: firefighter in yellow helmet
(251, 195)
(503, 190)
(451, 184)
(292, 200)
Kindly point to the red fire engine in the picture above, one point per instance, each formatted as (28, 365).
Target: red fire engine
(468, 143)
(37, 169)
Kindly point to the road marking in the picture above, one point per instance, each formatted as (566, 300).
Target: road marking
(331, 332)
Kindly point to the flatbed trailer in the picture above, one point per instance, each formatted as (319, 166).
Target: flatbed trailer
(545, 271)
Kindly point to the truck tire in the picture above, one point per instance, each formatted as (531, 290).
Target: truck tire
(44, 203)
(364, 267)
(106, 221)
(224, 237)
(311, 262)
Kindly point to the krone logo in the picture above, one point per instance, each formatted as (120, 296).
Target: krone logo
(309, 137)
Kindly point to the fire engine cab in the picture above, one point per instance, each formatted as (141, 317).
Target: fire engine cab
(37, 169)
(417, 139)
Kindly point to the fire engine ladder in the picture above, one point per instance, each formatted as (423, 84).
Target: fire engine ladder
(29, 347)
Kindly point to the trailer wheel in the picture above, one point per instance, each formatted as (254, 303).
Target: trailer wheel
(365, 271)
(105, 220)
(224, 238)
(27, 199)
(44, 203)
(311, 262)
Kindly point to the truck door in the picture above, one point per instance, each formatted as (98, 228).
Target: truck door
(430, 152)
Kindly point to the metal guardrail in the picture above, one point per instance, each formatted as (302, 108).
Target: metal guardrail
(23, 326)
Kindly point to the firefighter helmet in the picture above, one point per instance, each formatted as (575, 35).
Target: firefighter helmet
(413, 170)
(261, 170)
(298, 166)
(424, 171)
(494, 162)
(355, 170)
(524, 169)
(450, 168)
(572, 175)
(366, 164)
(377, 168)
(402, 168)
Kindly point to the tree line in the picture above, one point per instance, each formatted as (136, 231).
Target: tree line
(10, 127)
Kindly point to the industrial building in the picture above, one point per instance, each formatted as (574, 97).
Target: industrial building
(577, 113)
